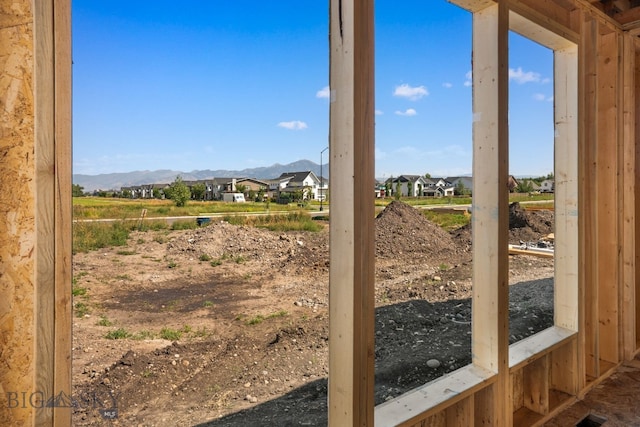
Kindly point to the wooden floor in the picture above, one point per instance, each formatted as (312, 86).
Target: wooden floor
(617, 399)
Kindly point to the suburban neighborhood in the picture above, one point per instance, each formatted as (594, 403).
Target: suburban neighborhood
(306, 185)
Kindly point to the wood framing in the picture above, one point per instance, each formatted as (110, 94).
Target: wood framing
(35, 316)
(628, 160)
(490, 216)
(352, 251)
(597, 291)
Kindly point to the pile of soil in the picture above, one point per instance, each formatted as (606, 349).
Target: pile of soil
(524, 226)
(528, 226)
(252, 309)
(403, 231)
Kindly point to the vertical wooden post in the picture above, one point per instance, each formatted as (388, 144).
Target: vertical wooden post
(628, 164)
(566, 187)
(490, 326)
(63, 208)
(588, 239)
(636, 122)
(35, 249)
(352, 254)
(607, 192)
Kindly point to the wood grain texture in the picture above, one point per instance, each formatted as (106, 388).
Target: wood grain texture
(490, 300)
(588, 237)
(628, 211)
(352, 256)
(607, 194)
(63, 208)
(17, 202)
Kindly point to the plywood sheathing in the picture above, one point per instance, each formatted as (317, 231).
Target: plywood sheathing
(17, 204)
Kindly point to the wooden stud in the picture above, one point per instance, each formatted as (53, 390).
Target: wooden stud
(517, 389)
(563, 376)
(352, 252)
(628, 163)
(588, 238)
(606, 186)
(490, 301)
(63, 208)
(636, 154)
(483, 404)
(535, 385)
(45, 207)
(566, 187)
(460, 414)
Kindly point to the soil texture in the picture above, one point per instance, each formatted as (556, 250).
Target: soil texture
(228, 326)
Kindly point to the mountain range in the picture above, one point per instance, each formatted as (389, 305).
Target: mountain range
(114, 181)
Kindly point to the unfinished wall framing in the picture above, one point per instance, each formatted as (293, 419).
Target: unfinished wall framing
(597, 320)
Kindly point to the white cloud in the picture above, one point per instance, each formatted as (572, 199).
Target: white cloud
(447, 85)
(521, 77)
(407, 112)
(468, 79)
(546, 80)
(379, 112)
(293, 125)
(325, 92)
(410, 92)
(542, 97)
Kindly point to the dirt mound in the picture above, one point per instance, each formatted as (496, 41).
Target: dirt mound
(402, 230)
(524, 225)
(221, 240)
(528, 226)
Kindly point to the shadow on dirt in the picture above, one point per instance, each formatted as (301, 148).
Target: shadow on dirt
(408, 335)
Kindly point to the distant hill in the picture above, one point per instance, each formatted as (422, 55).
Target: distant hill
(114, 181)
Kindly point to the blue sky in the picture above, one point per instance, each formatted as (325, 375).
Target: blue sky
(239, 84)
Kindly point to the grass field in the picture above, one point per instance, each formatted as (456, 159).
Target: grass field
(113, 208)
(89, 236)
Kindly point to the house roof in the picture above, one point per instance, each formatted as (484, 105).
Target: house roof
(297, 176)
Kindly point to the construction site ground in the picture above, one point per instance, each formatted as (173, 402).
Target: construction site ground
(228, 325)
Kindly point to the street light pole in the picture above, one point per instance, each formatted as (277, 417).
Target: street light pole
(321, 181)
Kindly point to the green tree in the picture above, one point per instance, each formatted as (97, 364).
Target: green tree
(241, 188)
(524, 186)
(460, 189)
(410, 189)
(198, 191)
(77, 190)
(178, 192)
(427, 175)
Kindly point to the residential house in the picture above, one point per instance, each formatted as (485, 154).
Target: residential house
(290, 182)
(438, 187)
(548, 186)
(407, 185)
(512, 183)
(463, 182)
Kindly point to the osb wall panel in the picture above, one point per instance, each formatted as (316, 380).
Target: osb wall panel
(17, 228)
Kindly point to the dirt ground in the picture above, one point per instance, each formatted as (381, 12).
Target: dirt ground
(250, 306)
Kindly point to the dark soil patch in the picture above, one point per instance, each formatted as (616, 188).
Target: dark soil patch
(264, 358)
